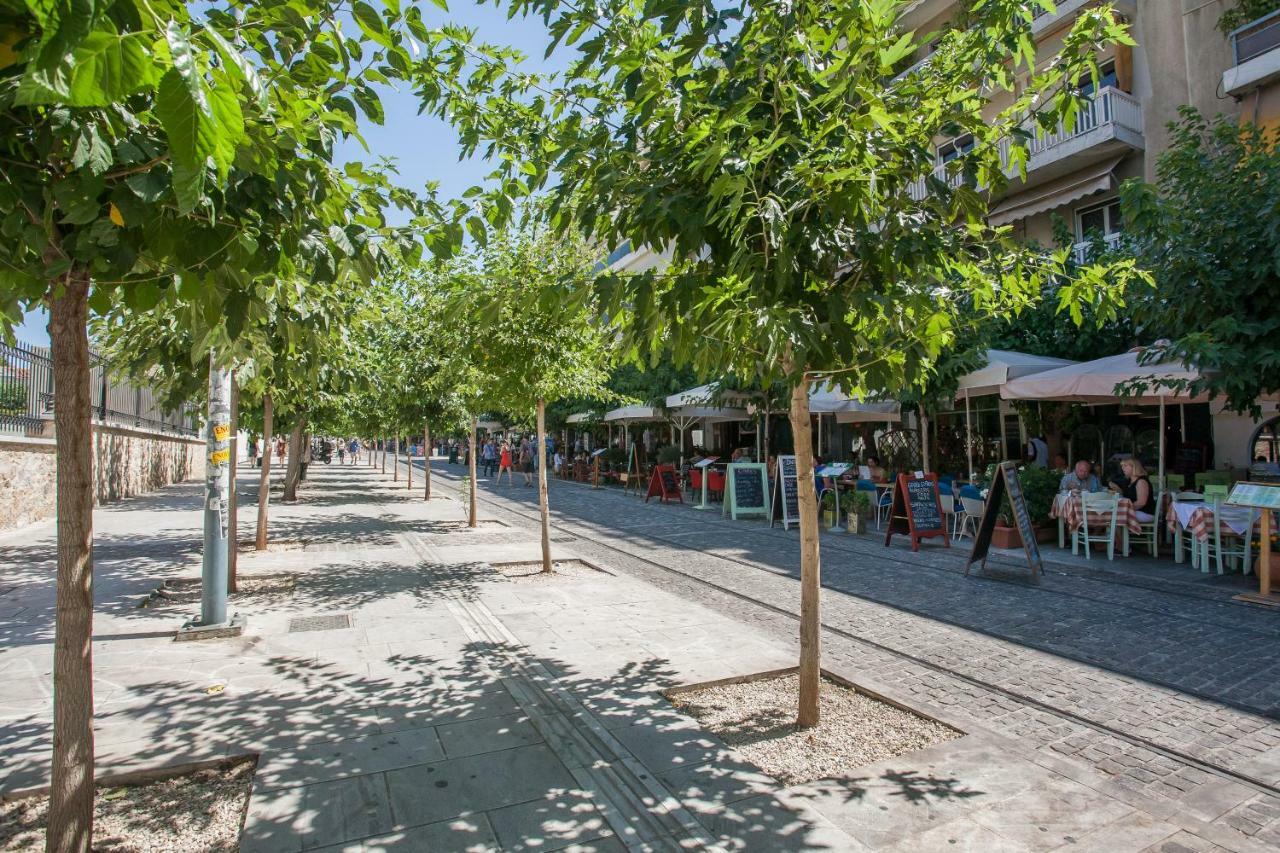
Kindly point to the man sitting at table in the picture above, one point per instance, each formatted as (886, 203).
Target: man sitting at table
(1080, 479)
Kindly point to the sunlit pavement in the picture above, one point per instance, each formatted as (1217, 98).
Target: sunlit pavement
(451, 708)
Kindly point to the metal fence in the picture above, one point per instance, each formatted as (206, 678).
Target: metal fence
(27, 396)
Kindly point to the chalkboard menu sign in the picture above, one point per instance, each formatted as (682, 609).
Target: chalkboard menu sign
(786, 503)
(1007, 482)
(917, 510)
(664, 484)
(747, 492)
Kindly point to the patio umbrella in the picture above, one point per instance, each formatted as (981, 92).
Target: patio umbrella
(1096, 382)
(1001, 367)
(696, 404)
(627, 415)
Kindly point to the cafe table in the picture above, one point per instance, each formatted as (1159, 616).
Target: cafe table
(1197, 518)
(1067, 509)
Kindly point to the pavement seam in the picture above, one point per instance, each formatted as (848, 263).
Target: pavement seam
(641, 811)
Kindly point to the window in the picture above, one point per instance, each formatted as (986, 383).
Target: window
(1265, 446)
(1101, 220)
(1106, 77)
(957, 147)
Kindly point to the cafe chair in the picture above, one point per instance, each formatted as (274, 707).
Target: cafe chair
(1096, 503)
(1213, 478)
(1216, 492)
(971, 517)
(948, 502)
(1223, 545)
(1150, 529)
(715, 485)
(1181, 537)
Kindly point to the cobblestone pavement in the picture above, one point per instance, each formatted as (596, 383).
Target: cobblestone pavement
(1167, 691)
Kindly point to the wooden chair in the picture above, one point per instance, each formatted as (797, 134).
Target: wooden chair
(1098, 503)
(1222, 546)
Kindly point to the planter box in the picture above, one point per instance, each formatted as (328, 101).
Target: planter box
(1009, 537)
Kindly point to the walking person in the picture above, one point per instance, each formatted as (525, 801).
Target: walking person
(488, 455)
(280, 446)
(354, 448)
(504, 463)
(526, 460)
(342, 451)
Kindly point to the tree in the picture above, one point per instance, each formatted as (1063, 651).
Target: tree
(774, 151)
(530, 344)
(148, 151)
(1209, 232)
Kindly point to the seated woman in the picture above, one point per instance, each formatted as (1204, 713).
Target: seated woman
(1137, 488)
(877, 473)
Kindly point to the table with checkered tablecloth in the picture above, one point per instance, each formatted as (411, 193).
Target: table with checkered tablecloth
(1197, 517)
(1067, 509)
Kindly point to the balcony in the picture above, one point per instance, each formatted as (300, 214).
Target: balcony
(1084, 251)
(1255, 55)
(1042, 21)
(1109, 125)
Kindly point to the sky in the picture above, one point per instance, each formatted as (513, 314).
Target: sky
(424, 148)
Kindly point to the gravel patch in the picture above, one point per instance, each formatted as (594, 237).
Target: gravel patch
(191, 813)
(758, 719)
(561, 570)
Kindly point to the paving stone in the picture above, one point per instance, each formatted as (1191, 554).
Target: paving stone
(549, 824)
(488, 734)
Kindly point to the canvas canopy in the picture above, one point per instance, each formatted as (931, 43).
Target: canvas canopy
(629, 414)
(1096, 382)
(1001, 367)
(581, 417)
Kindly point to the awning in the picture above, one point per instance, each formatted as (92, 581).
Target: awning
(707, 395)
(581, 417)
(860, 413)
(1002, 366)
(1097, 381)
(1054, 194)
(628, 414)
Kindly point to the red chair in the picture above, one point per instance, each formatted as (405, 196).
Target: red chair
(695, 479)
(715, 485)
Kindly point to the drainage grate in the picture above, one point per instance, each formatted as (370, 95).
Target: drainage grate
(319, 623)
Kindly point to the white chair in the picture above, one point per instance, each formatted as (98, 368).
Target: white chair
(948, 509)
(1150, 529)
(971, 518)
(884, 506)
(1095, 504)
(1229, 546)
(1181, 537)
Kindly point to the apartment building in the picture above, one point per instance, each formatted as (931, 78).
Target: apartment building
(1181, 57)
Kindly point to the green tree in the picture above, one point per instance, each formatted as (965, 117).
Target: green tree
(150, 150)
(530, 344)
(773, 152)
(1209, 232)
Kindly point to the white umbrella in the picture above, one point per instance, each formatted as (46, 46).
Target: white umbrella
(1001, 367)
(1096, 382)
(689, 407)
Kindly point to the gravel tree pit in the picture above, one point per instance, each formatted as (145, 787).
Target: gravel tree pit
(757, 718)
(189, 813)
(531, 570)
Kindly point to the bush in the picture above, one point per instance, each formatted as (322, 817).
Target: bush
(669, 455)
(614, 459)
(1039, 488)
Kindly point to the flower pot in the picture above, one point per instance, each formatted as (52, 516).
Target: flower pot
(857, 523)
(1006, 537)
(828, 518)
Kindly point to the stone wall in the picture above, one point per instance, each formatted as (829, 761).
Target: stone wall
(126, 462)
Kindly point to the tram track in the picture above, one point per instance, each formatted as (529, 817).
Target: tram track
(591, 538)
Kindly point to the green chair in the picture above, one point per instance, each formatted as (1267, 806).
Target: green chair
(1214, 478)
(1099, 503)
(1173, 483)
(1229, 547)
(1214, 492)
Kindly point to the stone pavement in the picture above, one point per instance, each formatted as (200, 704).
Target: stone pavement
(1161, 686)
(402, 692)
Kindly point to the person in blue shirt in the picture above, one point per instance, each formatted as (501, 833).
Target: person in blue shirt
(1081, 478)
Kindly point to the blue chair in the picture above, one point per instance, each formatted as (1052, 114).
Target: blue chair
(970, 491)
(946, 480)
(944, 488)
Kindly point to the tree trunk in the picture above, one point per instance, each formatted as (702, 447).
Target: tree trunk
(408, 462)
(471, 467)
(264, 481)
(543, 509)
(293, 474)
(71, 789)
(233, 537)
(395, 461)
(426, 461)
(810, 567)
(383, 442)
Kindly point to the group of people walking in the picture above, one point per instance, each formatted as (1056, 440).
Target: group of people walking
(507, 457)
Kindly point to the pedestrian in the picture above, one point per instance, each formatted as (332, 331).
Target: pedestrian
(342, 451)
(253, 451)
(354, 448)
(504, 463)
(488, 456)
(280, 446)
(526, 460)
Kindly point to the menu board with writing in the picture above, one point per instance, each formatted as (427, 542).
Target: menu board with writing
(747, 490)
(1256, 495)
(1007, 482)
(786, 503)
(664, 484)
(917, 510)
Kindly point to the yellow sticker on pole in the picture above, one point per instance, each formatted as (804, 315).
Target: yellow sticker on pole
(220, 457)
(221, 431)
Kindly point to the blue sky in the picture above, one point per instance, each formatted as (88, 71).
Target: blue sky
(424, 148)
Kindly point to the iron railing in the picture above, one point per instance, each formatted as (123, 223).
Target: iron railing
(28, 396)
(1256, 38)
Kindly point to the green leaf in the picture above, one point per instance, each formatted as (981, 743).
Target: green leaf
(103, 69)
(91, 151)
(371, 23)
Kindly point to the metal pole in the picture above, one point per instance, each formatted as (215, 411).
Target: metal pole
(1161, 446)
(968, 434)
(213, 602)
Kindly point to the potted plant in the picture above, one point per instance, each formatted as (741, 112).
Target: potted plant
(1039, 487)
(829, 508)
(857, 506)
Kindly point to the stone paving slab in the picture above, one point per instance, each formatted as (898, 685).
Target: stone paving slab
(462, 709)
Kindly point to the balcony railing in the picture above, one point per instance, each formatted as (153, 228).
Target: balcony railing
(1084, 251)
(1110, 107)
(1256, 38)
